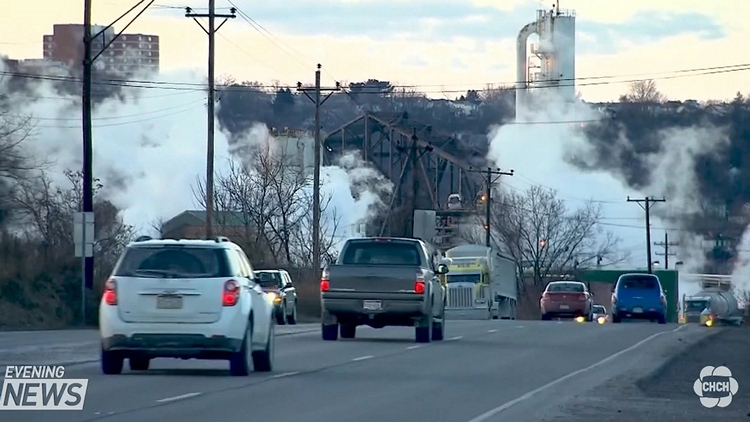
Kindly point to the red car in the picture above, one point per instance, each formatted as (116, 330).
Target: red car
(566, 299)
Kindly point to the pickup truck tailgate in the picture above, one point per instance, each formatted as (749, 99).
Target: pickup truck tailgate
(372, 278)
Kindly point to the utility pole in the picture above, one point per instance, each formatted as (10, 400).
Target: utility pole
(666, 244)
(646, 203)
(490, 176)
(211, 32)
(317, 90)
(86, 216)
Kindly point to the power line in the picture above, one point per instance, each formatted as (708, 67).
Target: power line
(490, 176)
(192, 86)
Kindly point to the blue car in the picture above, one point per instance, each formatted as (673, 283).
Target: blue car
(639, 296)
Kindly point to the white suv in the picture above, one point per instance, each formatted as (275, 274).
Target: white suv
(185, 299)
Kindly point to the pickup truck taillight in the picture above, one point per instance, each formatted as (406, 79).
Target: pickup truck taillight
(419, 286)
(325, 285)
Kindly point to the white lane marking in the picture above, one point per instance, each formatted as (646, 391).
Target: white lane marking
(416, 346)
(490, 413)
(362, 358)
(285, 374)
(455, 338)
(180, 397)
(491, 331)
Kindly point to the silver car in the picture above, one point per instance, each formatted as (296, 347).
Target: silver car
(599, 311)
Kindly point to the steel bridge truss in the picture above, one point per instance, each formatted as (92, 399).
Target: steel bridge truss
(425, 169)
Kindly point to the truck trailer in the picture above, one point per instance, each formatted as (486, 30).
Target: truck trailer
(481, 283)
(714, 304)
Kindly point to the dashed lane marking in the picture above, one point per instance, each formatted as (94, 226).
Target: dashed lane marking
(491, 331)
(180, 397)
(416, 346)
(455, 338)
(285, 374)
(361, 358)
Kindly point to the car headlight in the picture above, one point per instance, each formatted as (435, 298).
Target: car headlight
(272, 297)
(601, 320)
(580, 319)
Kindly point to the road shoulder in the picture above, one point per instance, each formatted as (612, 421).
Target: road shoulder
(659, 386)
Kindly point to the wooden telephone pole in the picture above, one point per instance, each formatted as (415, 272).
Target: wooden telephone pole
(666, 244)
(318, 101)
(490, 176)
(646, 203)
(211, 32)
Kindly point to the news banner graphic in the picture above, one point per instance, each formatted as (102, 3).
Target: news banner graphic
(41, 388)
(715, 386)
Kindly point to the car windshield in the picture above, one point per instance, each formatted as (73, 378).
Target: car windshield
(268, 278)
(173, 262)
(565, 287)
(696, 305)
(382, 253)
(463, 278)
(600, 310)
(639, 283)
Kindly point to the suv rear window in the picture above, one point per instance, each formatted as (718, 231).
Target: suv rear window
(268, 278)
(639, 283)
(382, 253)
(173, 262)
(565, 287)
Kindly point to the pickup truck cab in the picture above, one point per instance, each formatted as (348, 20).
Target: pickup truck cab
(383, 282)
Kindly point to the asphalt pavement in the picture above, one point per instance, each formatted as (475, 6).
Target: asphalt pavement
(483, 371)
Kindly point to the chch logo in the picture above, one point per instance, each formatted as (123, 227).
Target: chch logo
(715, 386)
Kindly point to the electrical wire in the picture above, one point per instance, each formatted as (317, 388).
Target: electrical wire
(192, 86)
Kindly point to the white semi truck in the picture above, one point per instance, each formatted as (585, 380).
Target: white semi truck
(714, 304)
(481, 283)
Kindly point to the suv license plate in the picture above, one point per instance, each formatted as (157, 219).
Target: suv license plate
(169, 302)
(372, 305)
(637, 310)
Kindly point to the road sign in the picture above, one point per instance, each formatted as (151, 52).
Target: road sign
(83, 233)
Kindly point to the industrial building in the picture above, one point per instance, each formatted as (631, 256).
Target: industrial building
(552, 66)
(129, 54)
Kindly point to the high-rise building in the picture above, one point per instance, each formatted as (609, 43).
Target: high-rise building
(130, 53)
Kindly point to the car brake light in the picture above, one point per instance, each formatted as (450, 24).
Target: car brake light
(231, 293)
(419, 286)
(614, 299)
(664, 301)
(110, 292)
(545, 295)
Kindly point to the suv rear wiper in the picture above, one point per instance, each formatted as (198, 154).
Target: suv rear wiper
(163, 273)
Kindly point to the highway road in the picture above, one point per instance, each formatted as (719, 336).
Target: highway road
(484, 371)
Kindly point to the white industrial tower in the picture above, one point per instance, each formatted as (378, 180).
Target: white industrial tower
(553, 64)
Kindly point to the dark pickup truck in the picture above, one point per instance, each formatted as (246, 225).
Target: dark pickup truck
(384, 282)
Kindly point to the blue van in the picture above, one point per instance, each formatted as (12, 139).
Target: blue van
(639, 296)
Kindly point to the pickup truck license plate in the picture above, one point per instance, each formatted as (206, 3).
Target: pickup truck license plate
(372, 305)
(564, 307)
(637, 310)
(168, 302)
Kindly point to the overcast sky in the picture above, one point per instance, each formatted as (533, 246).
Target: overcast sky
(453, 44)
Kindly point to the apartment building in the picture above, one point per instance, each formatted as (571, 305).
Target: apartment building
(130, 53)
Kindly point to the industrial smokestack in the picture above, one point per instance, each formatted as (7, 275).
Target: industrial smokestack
(522, 71)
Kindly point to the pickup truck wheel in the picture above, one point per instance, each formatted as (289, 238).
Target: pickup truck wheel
(348, 331)
(330, 332)
(423, 333)
(292, 318)
(263, 359)
(239, 362)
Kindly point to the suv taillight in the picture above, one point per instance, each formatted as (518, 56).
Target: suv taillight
(231, 294)
(110, 292)
(664, 301)
(614, 299)
(325, 285)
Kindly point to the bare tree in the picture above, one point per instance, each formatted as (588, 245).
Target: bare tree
(265, 204)
(644, 92)
(537, 230)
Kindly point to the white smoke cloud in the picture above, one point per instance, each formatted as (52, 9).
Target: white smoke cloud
(150, 147)
(541, 153)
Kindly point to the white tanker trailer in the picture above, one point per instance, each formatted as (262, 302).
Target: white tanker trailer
(714, 304)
